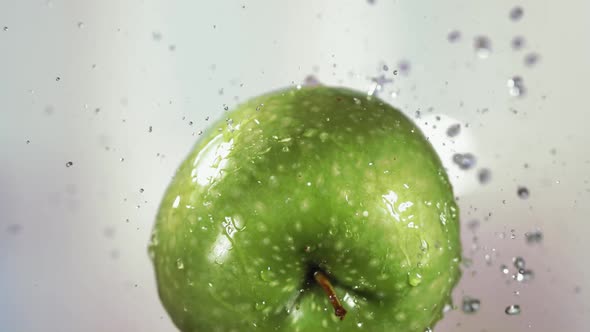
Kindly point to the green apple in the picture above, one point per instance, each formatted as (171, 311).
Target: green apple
(313, 209)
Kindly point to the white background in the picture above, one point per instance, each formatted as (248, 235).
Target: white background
(70, 260)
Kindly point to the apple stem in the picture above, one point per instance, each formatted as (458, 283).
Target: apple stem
(323, 281)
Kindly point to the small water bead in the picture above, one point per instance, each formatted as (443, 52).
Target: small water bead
(5, 28)
(512, 310)
(517, 43)
(179, 264)
(533, 237)
(516, 13)
(454, 36)
(465, 161)
(80, 25)
(470, 305)
(482, 46)
(523, 192)
(484, 175)
(454, 130)
(69, 164)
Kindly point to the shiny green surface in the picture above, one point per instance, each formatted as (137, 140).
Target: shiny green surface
(317, 177)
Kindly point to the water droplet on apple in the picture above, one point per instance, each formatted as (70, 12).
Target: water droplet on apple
(414, 279)
(470, 305)
(266, 275)
(260, 305)
(179, 264)
(512, 310)
(423, 245)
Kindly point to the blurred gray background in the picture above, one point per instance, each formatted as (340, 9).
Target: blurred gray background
(84, 81)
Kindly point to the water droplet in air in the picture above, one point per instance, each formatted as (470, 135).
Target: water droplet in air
(516, 86)
(523, 192)
(404, 67)
(504, 269)
(517, 43)
(516, 13)
(57, 79)
(483, 46)
(69, 164)
(454, 130)
(465, 161)
(311, 80)
(80, 25)
(512, 310)
(141, 190)
(5, 28)
(533, 237)
(454, 36)
(519, 262)
(179, 264)
(524, 275)
(470, 305)
(157, 36)
(484, 175)
(531, 59)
